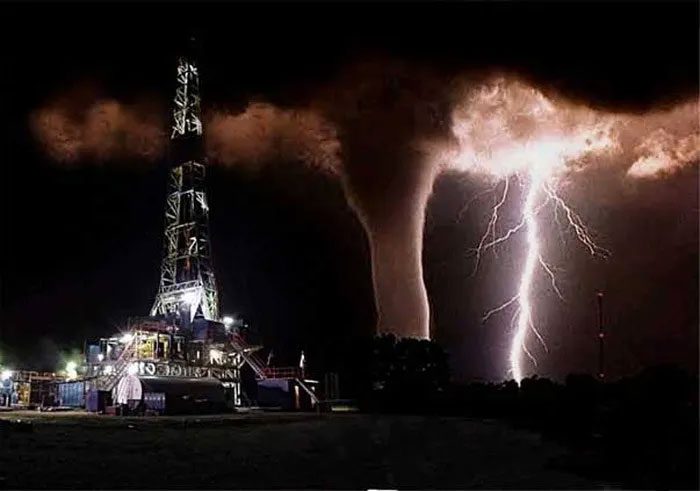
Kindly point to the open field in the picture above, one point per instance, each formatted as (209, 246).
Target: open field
(68, 450)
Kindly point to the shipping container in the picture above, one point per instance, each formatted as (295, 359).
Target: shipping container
(71, 394)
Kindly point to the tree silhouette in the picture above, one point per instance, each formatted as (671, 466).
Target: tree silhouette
(406, 373)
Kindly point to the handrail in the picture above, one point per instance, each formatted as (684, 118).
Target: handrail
(263, 372)
(311, 393)
(240, 345)
(282, 372)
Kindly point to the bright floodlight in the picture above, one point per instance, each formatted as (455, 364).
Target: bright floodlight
(126, 338)
(228, 321)
(133, 368)
(5, 375)
(71, 370)
(189, 298)
(100, 357)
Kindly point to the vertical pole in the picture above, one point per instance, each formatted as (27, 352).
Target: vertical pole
(601, 339)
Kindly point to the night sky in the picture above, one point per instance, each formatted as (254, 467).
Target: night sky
(82, 241)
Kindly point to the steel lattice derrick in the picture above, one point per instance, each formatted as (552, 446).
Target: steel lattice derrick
(187, 281)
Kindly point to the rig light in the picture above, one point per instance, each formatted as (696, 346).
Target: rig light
(71, 370)
(189, 298)
(6, 374)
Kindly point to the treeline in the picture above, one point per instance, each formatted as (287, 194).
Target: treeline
(640, 431)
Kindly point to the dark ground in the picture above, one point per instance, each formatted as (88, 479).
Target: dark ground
(278, 451)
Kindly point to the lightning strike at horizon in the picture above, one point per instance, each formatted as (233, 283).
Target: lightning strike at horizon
(524, 305)
(523, 319)
(511, 130)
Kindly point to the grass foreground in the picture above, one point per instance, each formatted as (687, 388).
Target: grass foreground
(275, 450)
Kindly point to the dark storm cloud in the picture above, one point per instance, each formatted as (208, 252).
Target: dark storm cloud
(594, 56)
(387, 128)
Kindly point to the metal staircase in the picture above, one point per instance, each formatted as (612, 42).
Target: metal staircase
(120, 366)
(311, 393)
(247, 352)
(263, 372)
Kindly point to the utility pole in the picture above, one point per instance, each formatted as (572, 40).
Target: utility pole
(601, 339)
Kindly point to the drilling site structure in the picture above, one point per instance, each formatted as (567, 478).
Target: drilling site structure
(180, 357)
(183, 347)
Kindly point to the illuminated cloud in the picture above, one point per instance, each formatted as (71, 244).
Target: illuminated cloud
(672, 141)
(100, 131)
(264, 133)
(503, 126)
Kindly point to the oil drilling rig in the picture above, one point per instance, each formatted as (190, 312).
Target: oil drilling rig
(184, 350)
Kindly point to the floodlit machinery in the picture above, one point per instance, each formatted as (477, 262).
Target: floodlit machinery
(153, 348)
(25, 388)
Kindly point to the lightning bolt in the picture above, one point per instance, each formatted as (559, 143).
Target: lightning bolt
(516, 135)
(513, 133)
(540, 192)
